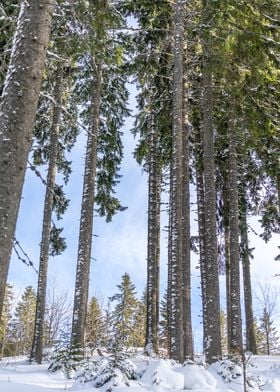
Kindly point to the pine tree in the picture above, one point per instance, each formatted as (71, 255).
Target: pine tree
(104, 108)
(24, 322)
(6, 318)
(123, 315)
(176, 290)
(17, 115)
(139, 330)
(95, 325)
(210, 292)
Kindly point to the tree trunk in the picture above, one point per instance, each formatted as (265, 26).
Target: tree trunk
(177, 332)
(225, 196)
(17, 114)
(251, 344)
(169, 266)
(212, 337)
(186, 235)
(228, 291)
(37, 345)
(201, 217)
(236, 346)
(153, 259)
(86, 222)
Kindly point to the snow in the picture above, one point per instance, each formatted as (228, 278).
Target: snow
(153, 375)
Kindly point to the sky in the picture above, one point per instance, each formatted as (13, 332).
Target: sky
(119, 246)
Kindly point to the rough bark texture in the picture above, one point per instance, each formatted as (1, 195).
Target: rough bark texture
(17, 114)
(251, 344)
(212, 337)
(236, 345)
(153, 259)
(177, 338)
(37, 345)
(86, 222)
(186, 235)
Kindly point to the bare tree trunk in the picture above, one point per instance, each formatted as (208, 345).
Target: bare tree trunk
(225, 197)
(17, 114)
(212, 337)
(186, 235)
(236, 345)
(153, 259)
(201, 217)
(37, 345)
(86, 222)
(169, 266)
(177, 332)
(251, 344)
(228, 291)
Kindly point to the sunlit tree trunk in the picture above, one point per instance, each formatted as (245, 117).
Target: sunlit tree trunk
(17, 115)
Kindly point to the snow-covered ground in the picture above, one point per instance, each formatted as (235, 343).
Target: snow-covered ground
(155, 375)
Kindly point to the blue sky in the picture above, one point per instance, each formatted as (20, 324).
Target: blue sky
(119, 246)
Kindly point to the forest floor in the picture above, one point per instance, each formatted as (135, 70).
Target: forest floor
(153, 375)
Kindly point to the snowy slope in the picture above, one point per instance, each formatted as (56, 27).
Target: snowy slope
(154, 375)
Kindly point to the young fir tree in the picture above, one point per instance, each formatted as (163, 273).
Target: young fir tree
(17, 114)
(5, 321)
(139, 332)
(123, 315)
(95, 325)
(23, 323)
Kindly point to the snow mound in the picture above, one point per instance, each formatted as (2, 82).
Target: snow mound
(197, 378)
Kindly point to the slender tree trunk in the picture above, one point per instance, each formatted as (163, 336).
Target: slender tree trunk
(17, 114)
(152, 323)
(86, 222)
(37, 345)
(186, 235)
(169, 266)
(201, 218)
(212, 337)
(177, 332)
(251, 344)
(228, 291)
(235, 307)
(225, 196)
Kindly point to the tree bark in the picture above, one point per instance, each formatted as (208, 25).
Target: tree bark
(212, 337)
(153, 259)
(251, 344)
(86, 222)
(177, 332)
(37, 345)
(201, 217)
(186, 234)
(17, 115)
(236, 346)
